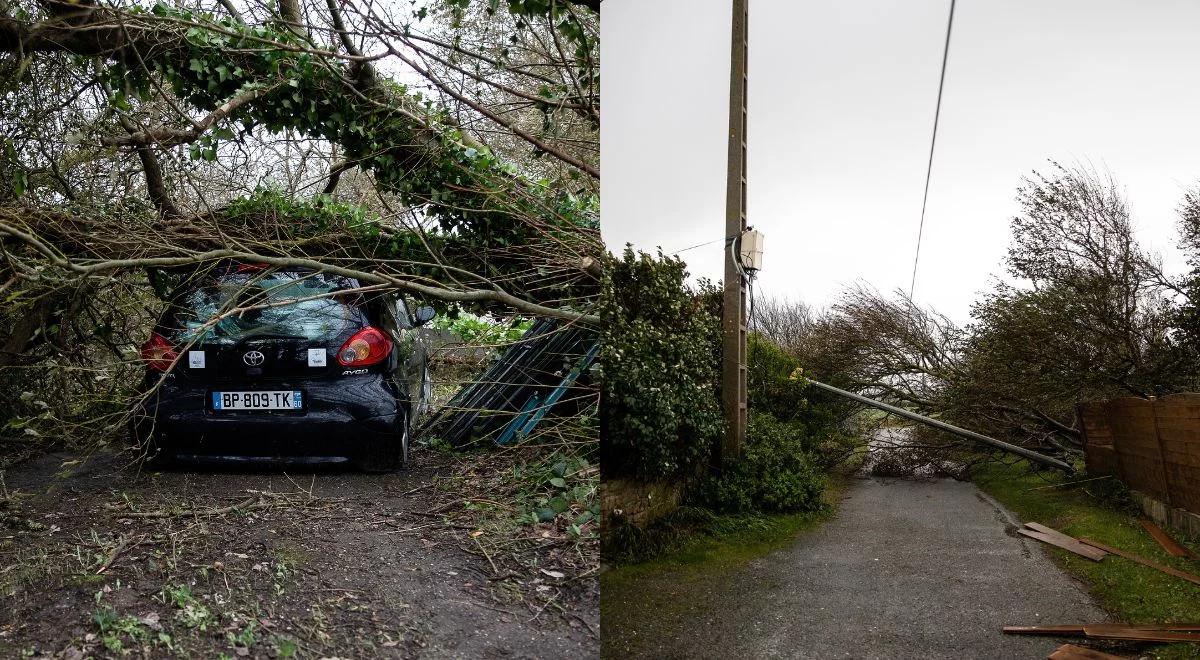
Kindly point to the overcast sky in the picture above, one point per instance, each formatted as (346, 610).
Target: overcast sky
(840, 111)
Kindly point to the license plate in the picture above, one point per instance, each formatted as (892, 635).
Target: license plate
(258, 400)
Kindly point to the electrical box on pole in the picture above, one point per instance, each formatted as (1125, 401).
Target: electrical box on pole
(733, 308)
(750, 251)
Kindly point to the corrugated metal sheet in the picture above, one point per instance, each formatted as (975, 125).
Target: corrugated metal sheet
(519, 388)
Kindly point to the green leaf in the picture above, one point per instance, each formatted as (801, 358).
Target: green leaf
(20, 182)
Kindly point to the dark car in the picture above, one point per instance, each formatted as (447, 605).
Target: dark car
(291, 365)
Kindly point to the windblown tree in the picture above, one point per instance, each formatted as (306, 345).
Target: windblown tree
(1087, 314)
(444, 149)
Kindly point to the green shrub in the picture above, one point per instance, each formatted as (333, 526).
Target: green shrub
(660, 414)
(482, 330)
(774, 380)
(777, 472)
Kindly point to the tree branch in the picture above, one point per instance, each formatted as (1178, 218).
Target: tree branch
(495, 295)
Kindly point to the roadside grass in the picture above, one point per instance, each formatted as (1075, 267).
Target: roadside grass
(1098, 510)
(662, 579)
(693, 536)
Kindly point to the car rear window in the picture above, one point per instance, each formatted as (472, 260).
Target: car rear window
(293, 305)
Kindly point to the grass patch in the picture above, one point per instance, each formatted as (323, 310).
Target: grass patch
(1131, 592)
(693, 536)
(667, 570)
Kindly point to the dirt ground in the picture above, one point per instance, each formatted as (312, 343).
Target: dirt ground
(98, 559)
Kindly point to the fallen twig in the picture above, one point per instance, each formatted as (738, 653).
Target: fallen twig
(543, 608)
(121, 547)
(417, 489)
(245, 505)
(485, 554)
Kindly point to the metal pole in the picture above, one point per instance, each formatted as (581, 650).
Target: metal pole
(929, 421)
(733, 309)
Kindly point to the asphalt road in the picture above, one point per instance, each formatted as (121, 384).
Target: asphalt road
(907, 569)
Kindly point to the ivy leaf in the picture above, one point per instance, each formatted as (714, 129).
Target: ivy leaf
(20, 182)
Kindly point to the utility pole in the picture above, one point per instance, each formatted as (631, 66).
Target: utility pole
(733, 309)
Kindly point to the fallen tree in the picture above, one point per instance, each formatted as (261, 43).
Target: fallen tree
(425, 157)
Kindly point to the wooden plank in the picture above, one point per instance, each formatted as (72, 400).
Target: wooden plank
(1072, 630)
(1143, 561)
(1169, 544)
(1073, 652)
(1039, 527)
(1138, 634)
(1070, 545)
(1150, 627)
(1080, 629)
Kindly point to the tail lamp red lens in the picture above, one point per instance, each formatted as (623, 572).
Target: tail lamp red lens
(158, 353)
(368, 346)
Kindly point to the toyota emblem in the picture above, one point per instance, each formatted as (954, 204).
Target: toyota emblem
(254, 358)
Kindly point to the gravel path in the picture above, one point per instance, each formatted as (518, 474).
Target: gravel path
(907, 569)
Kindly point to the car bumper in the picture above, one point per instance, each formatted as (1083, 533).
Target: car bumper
(347, 419)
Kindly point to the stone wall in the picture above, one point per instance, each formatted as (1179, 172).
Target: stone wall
(638, 503)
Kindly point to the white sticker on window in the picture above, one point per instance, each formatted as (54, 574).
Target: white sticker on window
(316, 357)
(196, 359)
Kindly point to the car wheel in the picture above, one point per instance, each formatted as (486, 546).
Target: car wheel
(383, 455)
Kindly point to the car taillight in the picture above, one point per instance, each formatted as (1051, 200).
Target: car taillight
(367, 346)
(158, 353)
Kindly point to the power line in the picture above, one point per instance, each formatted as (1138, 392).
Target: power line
(932, 143)
(698, 245)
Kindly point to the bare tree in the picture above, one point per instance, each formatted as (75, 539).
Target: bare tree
(787, 323)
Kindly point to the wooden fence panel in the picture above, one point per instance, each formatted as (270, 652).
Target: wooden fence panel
(1136, 442)
(1099, 453)
(1178, 420)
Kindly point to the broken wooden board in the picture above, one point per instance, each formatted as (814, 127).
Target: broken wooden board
(1069, 544)
(1039, 527)
(1072, 652)
(1151, 627)
(1134, 633)
(1169, 544)
(1064, 631)
(1143, 561)
(1081, 629)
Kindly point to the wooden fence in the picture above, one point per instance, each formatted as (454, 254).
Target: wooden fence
(1153, 445)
